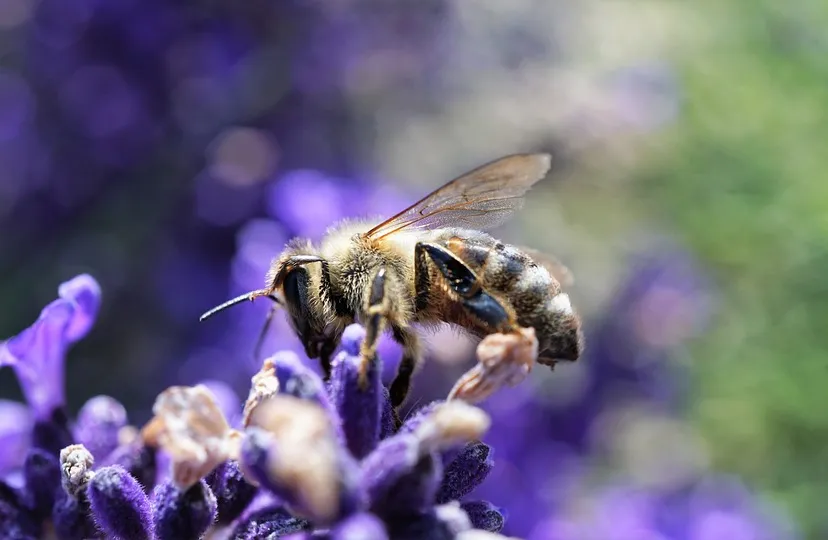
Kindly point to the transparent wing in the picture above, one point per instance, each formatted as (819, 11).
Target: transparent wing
(554, 266)
(480, 199)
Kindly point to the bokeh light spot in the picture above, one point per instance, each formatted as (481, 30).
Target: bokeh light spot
(13, 13)
(242, 156)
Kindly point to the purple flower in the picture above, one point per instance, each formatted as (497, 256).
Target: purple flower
(41, 472)
(372, 474)
(37, 356)
(484, 515)
(118, 502)
(272, 520)
(98, 425)
(16, 425)
(308, 460)
(233, 492)
(466, 471)
(360, 527)
(183, 513)
(362, 429)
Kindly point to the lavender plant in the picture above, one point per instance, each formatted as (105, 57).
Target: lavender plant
(305, 458)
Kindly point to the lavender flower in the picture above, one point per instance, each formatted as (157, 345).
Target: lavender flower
(41, 472)
(37, 355)
(363, 429)
(311, 461)
(183, 513)
(372, 471)
(119, 505)
(232, 491)
(16, 425)
(98, 425)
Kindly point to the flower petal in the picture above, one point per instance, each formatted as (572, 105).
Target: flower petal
(451, 425)
(465, 472)
(503, 360)
(119, 505)
(454, 517)
(15, 434)
(183, 514)
(290, 449)
(358, 404)
(484, 515)
(37, 353)
(233, 492)
(85, 293)
(417, 417)
(398, 478)
(228, 401)
(360, 527)
(98, 423)
(189, 426)
(298, 380)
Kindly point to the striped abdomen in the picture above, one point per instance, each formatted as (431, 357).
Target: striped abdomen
(534, 295)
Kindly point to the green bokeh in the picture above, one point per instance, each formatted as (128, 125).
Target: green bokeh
(743, 176)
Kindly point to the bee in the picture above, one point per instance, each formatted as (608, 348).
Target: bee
(430, 264)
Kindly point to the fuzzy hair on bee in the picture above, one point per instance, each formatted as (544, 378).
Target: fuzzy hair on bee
(430, 264)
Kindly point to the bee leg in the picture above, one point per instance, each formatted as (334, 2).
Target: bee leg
(265, 327)
(376, 312)
(408, 365)
(325, 354)
(471, 294)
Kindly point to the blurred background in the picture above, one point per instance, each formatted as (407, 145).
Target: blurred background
(170, 149)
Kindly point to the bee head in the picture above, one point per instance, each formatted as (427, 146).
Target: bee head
(291, 273)
(288, 283)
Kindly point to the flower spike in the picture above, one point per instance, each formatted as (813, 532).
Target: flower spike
(37, 354)
(359, 406)
(119, 505)
(183, 514)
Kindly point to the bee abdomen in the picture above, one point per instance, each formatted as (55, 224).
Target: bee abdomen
(537, 300)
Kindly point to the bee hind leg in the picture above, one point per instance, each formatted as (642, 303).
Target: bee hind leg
(379, 315)
(408, 365)
(468, 288)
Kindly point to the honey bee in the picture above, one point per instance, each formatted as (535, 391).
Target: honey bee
(430, 264)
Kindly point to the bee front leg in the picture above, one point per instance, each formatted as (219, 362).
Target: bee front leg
(376, 311)
(467, 287)
(325, 353)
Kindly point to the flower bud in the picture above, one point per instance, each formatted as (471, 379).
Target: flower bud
(183, 514)
(119, 505)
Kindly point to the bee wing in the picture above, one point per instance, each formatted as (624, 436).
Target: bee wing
(554, 266)
(480, 199)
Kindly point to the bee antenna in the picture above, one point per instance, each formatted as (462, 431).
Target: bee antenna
(250, 296)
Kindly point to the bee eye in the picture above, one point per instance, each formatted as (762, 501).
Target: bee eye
(295, 289)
